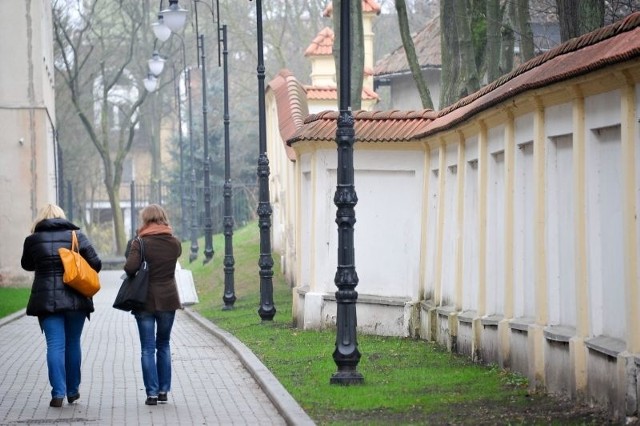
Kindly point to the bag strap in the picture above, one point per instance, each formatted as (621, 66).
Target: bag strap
(142, 259)
(74, 242)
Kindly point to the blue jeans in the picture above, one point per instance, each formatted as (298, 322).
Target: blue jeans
(64, 355)
(156, 353)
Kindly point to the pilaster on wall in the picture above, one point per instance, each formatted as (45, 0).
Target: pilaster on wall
(442, 152)
(509, 246)
(459, 222)
(425, 220)
(482, 218)
(578, 357)
(535, 332)
(577, 348)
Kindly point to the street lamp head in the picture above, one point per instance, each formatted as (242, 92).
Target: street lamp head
(160, 30)
(175, 17)
(150, 83)
(156, 64)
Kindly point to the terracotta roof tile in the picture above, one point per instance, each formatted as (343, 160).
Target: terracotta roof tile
(319, 93)
(609, 45)
(291, 105)
(427, 45)
(370, 126)
(330, 93)
(368, 6)
(322, 44)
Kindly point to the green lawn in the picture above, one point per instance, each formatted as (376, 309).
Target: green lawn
(407, 381)
(13, 299)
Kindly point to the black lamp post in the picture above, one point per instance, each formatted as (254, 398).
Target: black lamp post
(229, 296)
(267, 309)
(193, 255)
(183, 209)
(346, 354)
(208, 229)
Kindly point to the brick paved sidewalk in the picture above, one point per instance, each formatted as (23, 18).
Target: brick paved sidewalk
(216, 379)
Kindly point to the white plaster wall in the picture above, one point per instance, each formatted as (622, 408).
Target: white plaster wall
(470, 227)
(324, 249)
(524, 303)
(405, 95)
(524, 287)
(604, 214)
(386, 233)
(450, 236)
(495, 223)
(306, 217)
(560, 231)
(432, 222)
(605, 233)
(276, 156)
(389, 195)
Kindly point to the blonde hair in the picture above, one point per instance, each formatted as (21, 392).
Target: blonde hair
(50, 211)
(153, 213)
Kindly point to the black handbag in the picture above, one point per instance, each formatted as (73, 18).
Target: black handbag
(134, 289)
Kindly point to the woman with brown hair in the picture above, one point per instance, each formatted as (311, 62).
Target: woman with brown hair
(161, 251)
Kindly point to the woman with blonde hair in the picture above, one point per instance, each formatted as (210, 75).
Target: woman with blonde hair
(161, 251)
(60, 309)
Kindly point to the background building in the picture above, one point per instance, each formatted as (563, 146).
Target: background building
(28, 164)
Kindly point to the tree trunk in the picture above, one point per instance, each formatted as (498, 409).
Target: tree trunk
(579, 17)
(450, 54)
(568, 19)
(468, 77)
(494, 22)
(412, 58)
(523, 24)
(590, 15)
(508, 40)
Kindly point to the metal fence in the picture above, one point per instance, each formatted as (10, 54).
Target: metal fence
(180, 203)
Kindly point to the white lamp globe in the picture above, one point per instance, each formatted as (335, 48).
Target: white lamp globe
(156, 64)
(175, 17)
(160, 30)
(150, 83)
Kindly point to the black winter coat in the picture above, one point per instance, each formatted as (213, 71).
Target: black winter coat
(49, 294)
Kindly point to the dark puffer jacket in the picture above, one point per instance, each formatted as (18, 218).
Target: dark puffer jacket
(40, 254)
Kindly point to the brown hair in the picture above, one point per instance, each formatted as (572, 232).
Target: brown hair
(50, 211)
(153, 213)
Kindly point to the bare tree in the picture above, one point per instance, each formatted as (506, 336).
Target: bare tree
(412, 58)
(494, 13)
(450, 54)
(579, 17)
(469, 78)
(99, 62)
(523, 25)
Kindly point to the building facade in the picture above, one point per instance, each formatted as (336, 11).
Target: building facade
(28, 164)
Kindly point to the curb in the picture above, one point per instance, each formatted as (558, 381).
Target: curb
(284, 402)
(14, 316)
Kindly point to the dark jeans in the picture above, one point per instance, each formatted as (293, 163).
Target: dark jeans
(156, 353)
